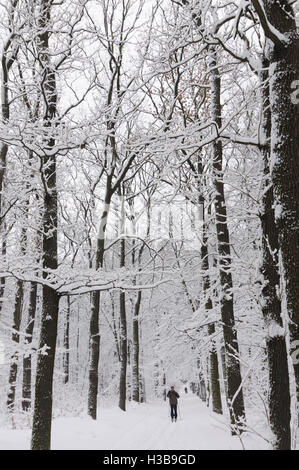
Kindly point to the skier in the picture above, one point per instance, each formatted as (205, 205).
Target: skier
(173, 401)
(186, 390)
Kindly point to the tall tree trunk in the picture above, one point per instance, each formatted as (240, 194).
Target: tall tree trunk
(94, 349)
(202, 389)
(78, 349)
(26, 391)
(123, 323)
(214, 374)
(213, 357)
(224, 373)
(129, 371)
(94, 333)
(17, 316)
(6, 64)
(284, 159)
(234, 388)
(66, 342)
(136, 395)
(26, 386)
(123, 352)
(164, 387)
(135, 367)
(279, 387)
(42, 417)
(142, 391)
(156, 377)
(2, 279)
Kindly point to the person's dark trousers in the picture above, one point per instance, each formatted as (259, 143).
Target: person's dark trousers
(173, 411)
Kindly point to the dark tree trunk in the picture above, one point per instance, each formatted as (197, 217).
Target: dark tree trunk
(283, 74)
(26, 386)
(94, 349)
(135, 368)
(42, 417)
(224, 373)
(94, 332)
(142, 393)
(156, 377)
(164, 385)
(279, 387)
(123, 338)
(114, 327)
(213, 357)
(26, 392)
(5, 66)
(2, 279)
(5, 114)
(17, 316)
(234, 388)
(129, 379)
(214, 375)
(66, 342)
(95, 307)
(202, 389)
(78, 349)
(136, 379)
(3, 154)
(142, 389)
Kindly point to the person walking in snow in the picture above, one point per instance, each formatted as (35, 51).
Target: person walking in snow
(173, 401)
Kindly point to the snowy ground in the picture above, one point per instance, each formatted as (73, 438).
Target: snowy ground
(146, 427)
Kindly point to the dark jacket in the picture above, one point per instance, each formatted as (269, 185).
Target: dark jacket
(173, 397)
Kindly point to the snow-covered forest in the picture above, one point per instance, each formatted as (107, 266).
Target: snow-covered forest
(149, 211)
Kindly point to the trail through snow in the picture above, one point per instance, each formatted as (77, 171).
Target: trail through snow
(146, 426)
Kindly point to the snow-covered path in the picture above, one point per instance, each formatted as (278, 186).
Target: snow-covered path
(146, 427)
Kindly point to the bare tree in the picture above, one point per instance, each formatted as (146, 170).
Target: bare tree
(234, 381)
(278, 22)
